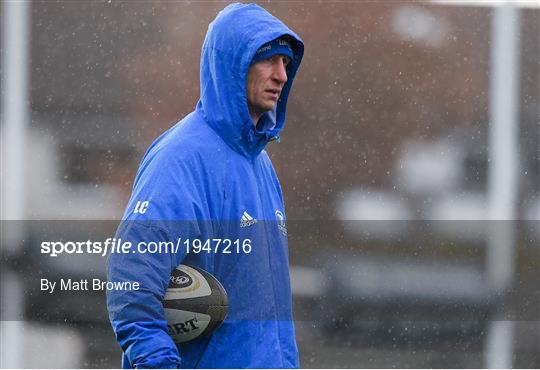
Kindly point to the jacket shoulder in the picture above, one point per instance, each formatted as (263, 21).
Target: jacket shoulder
(180, 176)
(190, 137)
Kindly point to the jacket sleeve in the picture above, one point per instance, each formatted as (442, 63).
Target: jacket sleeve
(137, 316)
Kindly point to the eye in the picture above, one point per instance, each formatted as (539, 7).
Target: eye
(286, 60)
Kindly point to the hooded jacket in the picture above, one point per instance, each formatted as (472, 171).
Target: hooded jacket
(204, 178)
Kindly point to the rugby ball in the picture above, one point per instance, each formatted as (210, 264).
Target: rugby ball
(195, 304)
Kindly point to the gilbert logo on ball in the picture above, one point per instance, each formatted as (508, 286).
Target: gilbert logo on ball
(182, 280)
(195, 303)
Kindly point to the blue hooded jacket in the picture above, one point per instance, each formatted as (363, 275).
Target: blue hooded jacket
(199, 180)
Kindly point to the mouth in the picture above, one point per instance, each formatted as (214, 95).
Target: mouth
(273, 92)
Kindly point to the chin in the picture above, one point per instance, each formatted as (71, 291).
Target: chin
(266, 106)
(271, 106)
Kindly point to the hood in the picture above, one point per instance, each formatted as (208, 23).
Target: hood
(232, 39)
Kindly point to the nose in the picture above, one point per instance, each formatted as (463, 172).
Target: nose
(280, 72)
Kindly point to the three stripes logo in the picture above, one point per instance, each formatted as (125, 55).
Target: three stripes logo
(247, 220)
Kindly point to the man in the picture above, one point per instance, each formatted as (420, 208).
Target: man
(208, 177)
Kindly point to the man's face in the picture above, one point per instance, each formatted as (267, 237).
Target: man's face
(265, 81)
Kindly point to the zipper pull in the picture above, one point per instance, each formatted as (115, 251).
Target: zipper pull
(275, 138)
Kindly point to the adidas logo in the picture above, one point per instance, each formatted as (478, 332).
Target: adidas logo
(247, 220)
